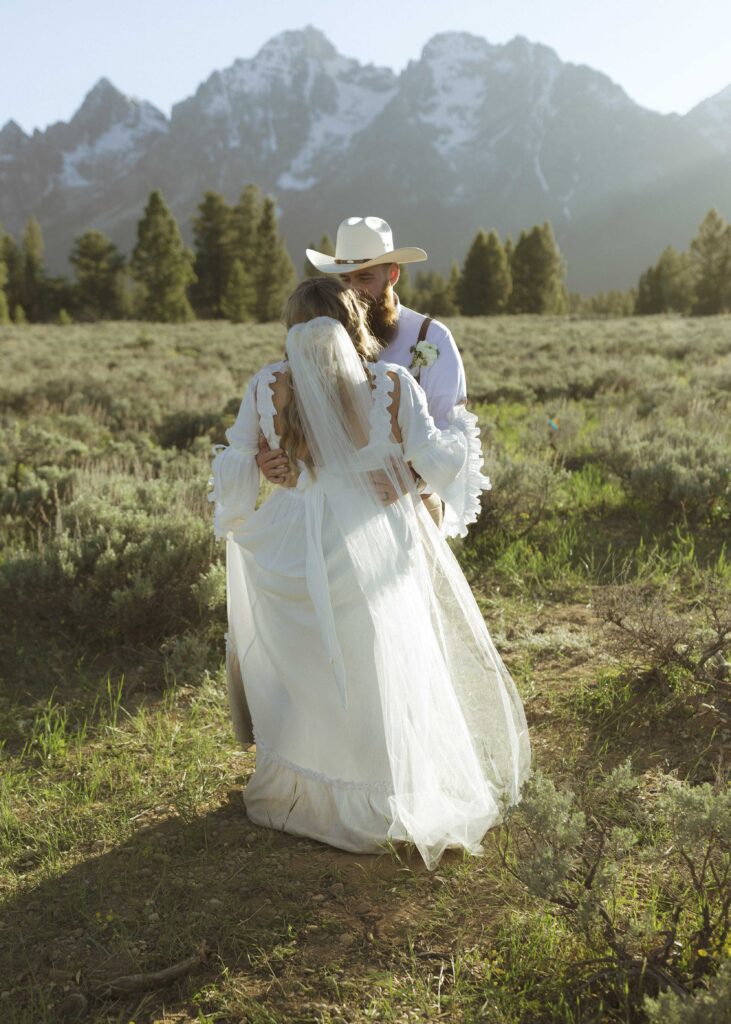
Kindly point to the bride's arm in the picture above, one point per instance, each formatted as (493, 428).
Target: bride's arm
(235, 474)
(449, 460)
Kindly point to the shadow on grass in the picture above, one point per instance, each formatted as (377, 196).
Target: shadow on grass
(271, 911)
(79, 679)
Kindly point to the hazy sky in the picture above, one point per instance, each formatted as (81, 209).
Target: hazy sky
(667, 54)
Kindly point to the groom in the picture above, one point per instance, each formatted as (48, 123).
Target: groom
(365, 259)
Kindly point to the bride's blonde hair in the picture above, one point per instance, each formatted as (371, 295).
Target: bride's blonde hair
(322, 296)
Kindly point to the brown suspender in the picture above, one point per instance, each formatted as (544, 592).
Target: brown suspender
(424, 328)
(422, 337)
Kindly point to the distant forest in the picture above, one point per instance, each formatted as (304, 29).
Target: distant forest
(240, 270)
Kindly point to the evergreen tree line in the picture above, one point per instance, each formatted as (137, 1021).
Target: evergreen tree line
(694, 282)
(528, 277)
(496, 277)
(239, 269)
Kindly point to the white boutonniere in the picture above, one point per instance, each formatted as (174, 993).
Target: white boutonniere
(423, 354)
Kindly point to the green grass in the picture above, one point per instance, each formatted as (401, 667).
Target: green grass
(124, 846)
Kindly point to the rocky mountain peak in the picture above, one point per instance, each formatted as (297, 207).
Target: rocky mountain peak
(523, 56)
(502, 135)
(456, 46)
(103, 106)
(306, 42)
(11, 134)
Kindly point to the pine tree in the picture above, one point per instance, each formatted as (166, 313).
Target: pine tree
(537, 272)
(453, 284)
(404, 288)
(612, 303)
(275, 275)
(498, 275)
(214, 239)
(326, 246)
(484, 284)
(19, 316)
(58, 294)
(12, 257)
(431, 295)
(4, 308)
(161, 265)
(676, 272)
(245, 220)
(442, 301)
(99, 268)
(472, 282)
(32, 271)
(238, 298)
(668, 286)
(710, 253)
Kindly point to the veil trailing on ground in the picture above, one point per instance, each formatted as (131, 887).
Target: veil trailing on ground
(454, 725)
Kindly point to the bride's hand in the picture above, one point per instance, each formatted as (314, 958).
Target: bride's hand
(274, 465)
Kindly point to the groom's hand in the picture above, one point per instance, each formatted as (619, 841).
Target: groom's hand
(383, 488)
(273, 464)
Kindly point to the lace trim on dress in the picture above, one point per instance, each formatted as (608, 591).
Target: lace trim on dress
(379, 416)
(462, 499)
(271, 755)
(265, 400)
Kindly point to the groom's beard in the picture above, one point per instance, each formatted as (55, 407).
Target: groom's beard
(382, 315)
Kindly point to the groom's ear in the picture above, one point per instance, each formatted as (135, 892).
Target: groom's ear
(394, 273)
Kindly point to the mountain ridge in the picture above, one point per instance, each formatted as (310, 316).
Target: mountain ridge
(470, 134)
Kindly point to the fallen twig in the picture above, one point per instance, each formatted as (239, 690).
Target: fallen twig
(153, 979)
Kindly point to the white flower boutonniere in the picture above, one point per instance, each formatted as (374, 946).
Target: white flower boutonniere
(423, 354)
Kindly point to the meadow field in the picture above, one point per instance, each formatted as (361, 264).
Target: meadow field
(133, 887)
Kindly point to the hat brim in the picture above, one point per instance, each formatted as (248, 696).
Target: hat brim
(327, 265)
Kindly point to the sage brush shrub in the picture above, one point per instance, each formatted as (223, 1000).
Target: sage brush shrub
(682, 622)
(126, 566)
(523, 489)
(709, 1006)
(670, 466)
(641, 886)
(697, 821)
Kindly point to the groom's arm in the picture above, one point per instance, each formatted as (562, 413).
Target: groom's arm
(444, 384)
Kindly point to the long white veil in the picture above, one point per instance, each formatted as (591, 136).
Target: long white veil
(454, 724)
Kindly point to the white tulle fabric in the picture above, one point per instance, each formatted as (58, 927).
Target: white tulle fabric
(381, 709)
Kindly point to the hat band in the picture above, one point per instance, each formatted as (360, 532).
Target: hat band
(355, 261)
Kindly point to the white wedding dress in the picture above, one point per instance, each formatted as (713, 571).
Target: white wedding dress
(380, 708)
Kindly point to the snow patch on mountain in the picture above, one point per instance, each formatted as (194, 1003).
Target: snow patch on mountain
(457, 62)
(356, 108)
(279, 61)
(120, 146)
(543, 110)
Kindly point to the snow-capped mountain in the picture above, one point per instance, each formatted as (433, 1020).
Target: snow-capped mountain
(469, 135)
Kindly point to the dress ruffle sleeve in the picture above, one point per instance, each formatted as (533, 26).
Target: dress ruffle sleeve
(462, 496)
(450, 460)
(235, 474)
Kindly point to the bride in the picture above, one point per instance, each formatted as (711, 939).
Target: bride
(357, 657)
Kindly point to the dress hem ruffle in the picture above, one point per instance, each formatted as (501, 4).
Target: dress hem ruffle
(353, 816)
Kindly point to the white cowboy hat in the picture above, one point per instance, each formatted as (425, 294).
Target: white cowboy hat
(363, 242)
